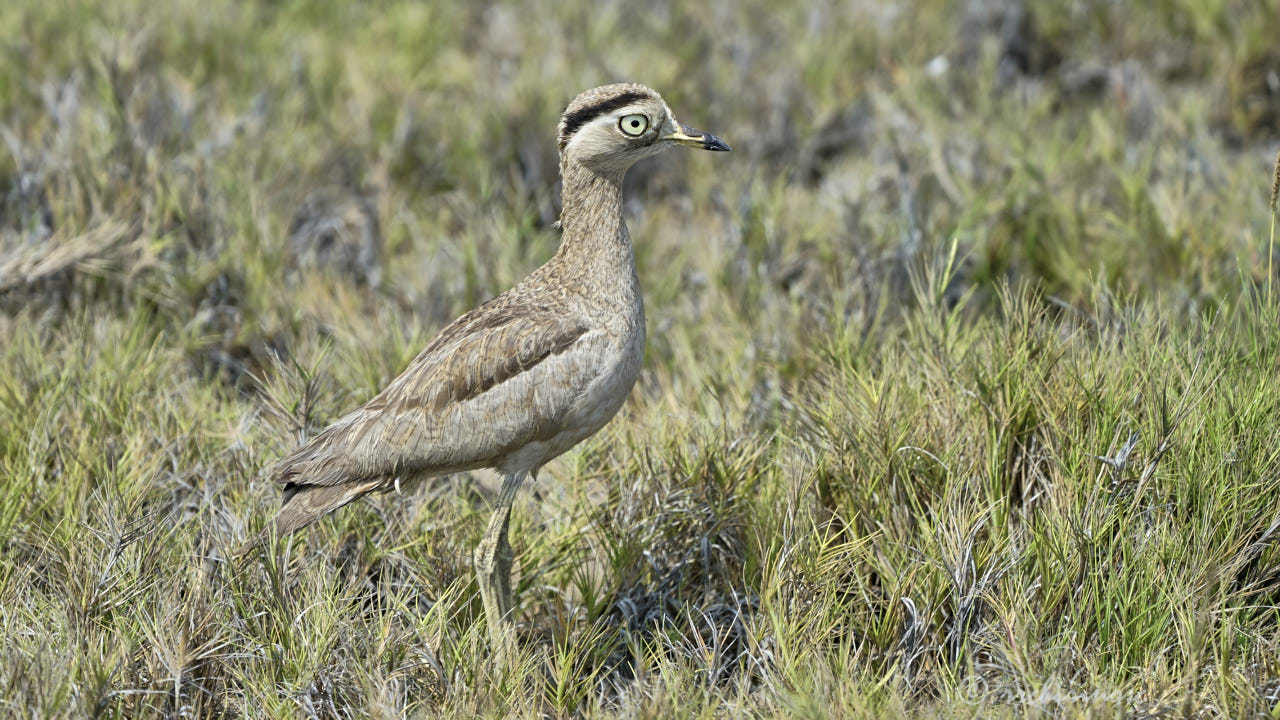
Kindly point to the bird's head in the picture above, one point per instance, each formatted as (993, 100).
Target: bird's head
(609, 128)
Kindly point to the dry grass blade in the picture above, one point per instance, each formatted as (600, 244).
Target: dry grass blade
(24, 264)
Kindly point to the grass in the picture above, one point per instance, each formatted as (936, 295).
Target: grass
(959, 397)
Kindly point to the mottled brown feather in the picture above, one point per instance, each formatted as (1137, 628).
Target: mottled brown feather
(392, 434)
(464, 377)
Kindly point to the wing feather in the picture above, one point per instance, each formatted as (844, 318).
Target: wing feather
(491, 381)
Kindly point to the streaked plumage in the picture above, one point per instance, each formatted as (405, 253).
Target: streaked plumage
(525, 376)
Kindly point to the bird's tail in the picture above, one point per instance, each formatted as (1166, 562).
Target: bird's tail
(305, 504)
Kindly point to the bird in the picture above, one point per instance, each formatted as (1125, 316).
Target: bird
(523, 377)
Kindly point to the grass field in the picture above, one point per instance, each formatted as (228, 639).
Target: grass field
(960, 398)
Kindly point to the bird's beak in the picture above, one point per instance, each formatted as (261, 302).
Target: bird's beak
(696, 138)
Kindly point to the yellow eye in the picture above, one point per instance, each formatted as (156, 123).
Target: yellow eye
(634, 125)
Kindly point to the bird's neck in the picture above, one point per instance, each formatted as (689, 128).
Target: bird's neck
(591, 220)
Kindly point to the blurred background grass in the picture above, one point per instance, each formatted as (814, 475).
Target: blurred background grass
(959, 393)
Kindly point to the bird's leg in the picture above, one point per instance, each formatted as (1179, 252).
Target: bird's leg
(493, 558)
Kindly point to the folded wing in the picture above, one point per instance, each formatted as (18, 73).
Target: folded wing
(493, 381)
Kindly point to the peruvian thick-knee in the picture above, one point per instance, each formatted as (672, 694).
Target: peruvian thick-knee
(524, 377)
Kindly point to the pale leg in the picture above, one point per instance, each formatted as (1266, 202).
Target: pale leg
(493, 558)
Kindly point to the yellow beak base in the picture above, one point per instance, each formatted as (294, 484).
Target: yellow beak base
(698, 139)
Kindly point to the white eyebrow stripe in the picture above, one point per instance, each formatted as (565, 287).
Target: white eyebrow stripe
(608, 120)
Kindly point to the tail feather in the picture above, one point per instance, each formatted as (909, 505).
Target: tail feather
(305, 504)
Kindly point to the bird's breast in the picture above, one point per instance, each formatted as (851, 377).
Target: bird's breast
(619, 360)
(619, 368)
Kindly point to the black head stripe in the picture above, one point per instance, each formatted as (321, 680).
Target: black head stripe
(575, 120)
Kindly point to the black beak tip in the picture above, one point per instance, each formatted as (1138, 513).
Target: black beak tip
(711, 142)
